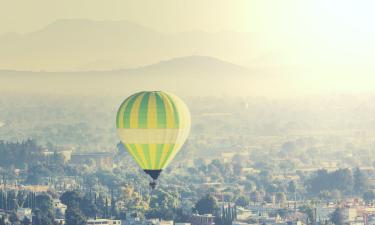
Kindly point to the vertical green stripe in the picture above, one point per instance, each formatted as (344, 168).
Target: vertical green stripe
(160, 110)
(146, 153)
(133, 151)
(119, 113)
(159, 151)
(176, 116)
(167, 158)
(143, 111)
(128, 109)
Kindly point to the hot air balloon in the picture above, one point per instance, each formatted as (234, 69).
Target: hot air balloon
(153, 125)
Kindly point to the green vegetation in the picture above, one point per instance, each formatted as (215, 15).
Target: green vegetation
(230, 158)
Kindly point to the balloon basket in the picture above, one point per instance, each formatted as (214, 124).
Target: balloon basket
(153, 185)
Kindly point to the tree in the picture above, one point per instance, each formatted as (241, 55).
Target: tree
(360, 181)
(43, 217)
(36, 174)
(2, 220)
(88, 207)
(70, 198)
(256, 196)
(242, 201)
(337, 217)
(13, 218)
(226, 216)
(341, 180)
(206, 205)
(309, 211)
(25, 221)
(281, 198)
(74, 216)
(333, 195)
(44, 202)
(292, 187)
(369, 196)
(162, 204)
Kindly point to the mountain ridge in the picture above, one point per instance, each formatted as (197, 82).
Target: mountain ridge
(73, 44)
(184, 61)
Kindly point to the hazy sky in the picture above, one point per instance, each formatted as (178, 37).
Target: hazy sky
(304, 32)
(344, 27)
(209, 15)
(164, 15)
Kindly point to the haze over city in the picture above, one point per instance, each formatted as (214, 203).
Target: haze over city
(187, 112)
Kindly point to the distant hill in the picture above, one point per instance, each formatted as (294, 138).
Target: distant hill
(78, 44)
(191, 75)
(195, 63)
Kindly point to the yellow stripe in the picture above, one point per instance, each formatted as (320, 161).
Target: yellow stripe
(135, 112)
(152, 148)
(133, 154)
(140, 153)
(168, 111)
(151, 114)
(164, 155)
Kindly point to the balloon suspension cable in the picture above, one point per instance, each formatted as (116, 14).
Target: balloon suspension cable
(153, 184)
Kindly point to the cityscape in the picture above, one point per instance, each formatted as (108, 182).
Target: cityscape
(175, 112)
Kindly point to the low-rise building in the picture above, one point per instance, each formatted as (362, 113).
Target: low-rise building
(60, 221)
(206, 219)
(103, 222)
(102, 160)
(182, 223)
(59, 208)
(24, 212)
(161, 222)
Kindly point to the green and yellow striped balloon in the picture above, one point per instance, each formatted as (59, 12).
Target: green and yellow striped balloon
(153, 125)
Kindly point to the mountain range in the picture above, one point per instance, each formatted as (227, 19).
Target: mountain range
(79, 44)
(120, 57)
(190, 76)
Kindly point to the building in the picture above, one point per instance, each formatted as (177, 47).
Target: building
(64, 154)
(24, 212)
(352, 217)
(206, 219)
(102, 160)
(103, 222)
(60, 221)
(59, 208)
(350, 214)
(182, 224)
(34, 188)
(324, 211)
(161, 222)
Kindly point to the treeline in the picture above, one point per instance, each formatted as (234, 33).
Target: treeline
(12, 200)
(35, 167)
(19, 154)
(43, 212)
(345, 181)
(226, 215)
(81, 206)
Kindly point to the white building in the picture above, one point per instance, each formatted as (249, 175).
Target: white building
(103, 222)
(24, 212)
(59, 208)
(60, 221)
(161, 222)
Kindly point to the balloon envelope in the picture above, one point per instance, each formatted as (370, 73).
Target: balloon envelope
(153, 126)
